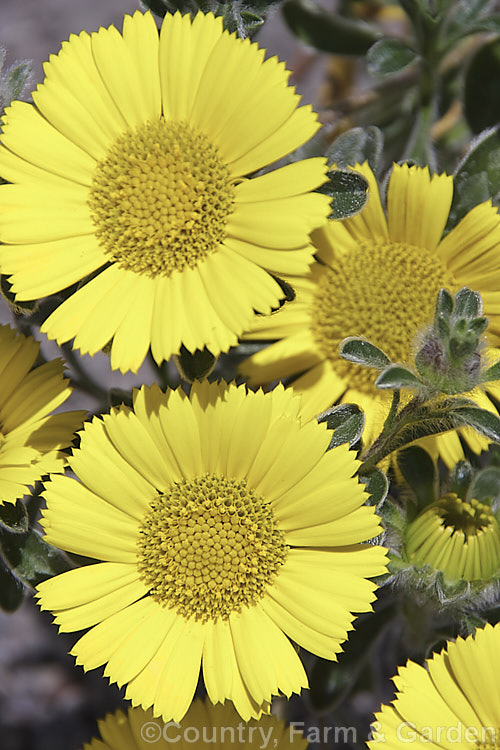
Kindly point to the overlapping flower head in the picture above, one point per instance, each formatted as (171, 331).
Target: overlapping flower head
(131, 170)
(459, 538)
(378, 276)
(219, 727)
(31, 437)
(224, 529)
(454, 701)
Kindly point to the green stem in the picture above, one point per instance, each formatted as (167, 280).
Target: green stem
(391, 417)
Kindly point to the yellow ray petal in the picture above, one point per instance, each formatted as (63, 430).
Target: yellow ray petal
(30, 136)
(418, 206)
(45, 268)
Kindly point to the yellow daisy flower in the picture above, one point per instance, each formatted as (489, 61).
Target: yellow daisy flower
(31, 438)
(131, 169)
(204, 725)
(459, 538)
(378, 277)
(223, 527)
(454, 703)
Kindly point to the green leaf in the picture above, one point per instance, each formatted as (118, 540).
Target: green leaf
(357, 146)
(14, 81)
(396, 376)
(466, 13)
(195, 365)
(418, 469)
(348, 191)
(467, 303)
(14, 518)
(12, 591)
(485, 422)
(337, 415)
(327, 32)
(478, 176)
(31, 559)
(478, 326)
(389, 56)
(486, 484)
(492, 373)
(347, 422)
(392, 517)
(444, 304)
(461, 478)
(376, 485)
(363, 352)
(490, 24)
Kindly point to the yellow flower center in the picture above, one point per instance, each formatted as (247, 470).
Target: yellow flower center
(210, 546)
(462, 539)
(160, 199)
(385, 292)
(490, 739)
(463, 516)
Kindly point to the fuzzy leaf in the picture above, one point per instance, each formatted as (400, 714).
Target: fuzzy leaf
(396, 376)
(347, 422)
(363, 352)
(392, 517)
(31, 559)
(478, 176)
(490, 24)
(444, 304)
(348, 191)
(492, 373)
(14, 518)
(485, 422)
(327, 32)
(376, 485)
(357, 146)
(14, 81)
(468, 303)
(466, 15)
(389, 56)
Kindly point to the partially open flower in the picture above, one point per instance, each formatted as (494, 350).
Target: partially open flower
(459, 538)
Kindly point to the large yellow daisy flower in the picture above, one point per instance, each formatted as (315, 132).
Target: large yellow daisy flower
(223, 527)
(454, 703)
(31, 438)
(379, 277)
(131, 169)
(204, 725)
